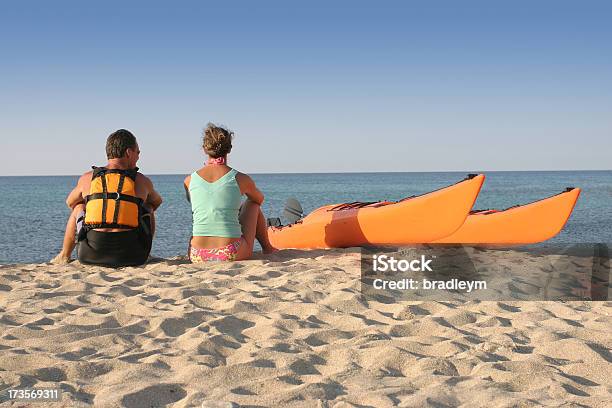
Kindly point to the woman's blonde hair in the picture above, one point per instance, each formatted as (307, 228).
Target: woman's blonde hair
(217, 140)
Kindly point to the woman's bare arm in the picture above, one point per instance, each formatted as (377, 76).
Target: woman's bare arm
(248, 187)
(186, 185)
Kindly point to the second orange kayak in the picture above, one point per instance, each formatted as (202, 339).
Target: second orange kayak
(423, 218)
(522, 224)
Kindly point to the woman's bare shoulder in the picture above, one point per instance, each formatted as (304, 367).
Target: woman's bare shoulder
(243, 178)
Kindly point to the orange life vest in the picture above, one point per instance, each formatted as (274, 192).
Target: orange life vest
(112, 200)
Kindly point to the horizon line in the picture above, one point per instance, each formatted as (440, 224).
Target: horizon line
(339, 172)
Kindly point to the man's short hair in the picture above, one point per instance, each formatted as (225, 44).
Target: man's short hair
(118, 142)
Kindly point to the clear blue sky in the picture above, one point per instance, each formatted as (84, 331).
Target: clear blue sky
(309, 86)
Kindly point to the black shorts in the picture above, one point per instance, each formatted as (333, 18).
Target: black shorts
(115, 249)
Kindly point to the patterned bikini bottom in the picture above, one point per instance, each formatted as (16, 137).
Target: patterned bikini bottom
(225, 253)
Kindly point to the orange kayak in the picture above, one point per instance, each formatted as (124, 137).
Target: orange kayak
(423, 218)
(522, 224)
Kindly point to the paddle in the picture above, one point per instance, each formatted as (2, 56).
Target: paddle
(293, 210)
(292, 213)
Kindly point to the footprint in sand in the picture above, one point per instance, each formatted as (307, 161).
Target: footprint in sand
(176, 326)
(50, 374)
(154, 396)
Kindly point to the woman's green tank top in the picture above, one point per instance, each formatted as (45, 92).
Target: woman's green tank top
(215, 206)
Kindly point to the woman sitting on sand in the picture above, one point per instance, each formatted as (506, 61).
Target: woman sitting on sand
(223, 229)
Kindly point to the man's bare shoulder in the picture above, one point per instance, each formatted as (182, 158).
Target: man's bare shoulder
(142, 177)
(144, 180)
(85, 177)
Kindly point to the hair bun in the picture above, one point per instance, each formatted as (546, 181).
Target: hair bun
(217, 140)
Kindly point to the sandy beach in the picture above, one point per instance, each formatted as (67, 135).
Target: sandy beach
(284, 330)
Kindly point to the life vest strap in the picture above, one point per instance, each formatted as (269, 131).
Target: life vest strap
(109, 225)
(113, 196)
(101, 171)
(118, 202)
(104, 203)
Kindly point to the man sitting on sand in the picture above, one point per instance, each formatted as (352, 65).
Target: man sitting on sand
(112, 209)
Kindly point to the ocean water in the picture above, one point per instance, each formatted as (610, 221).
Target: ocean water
(33, 213)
